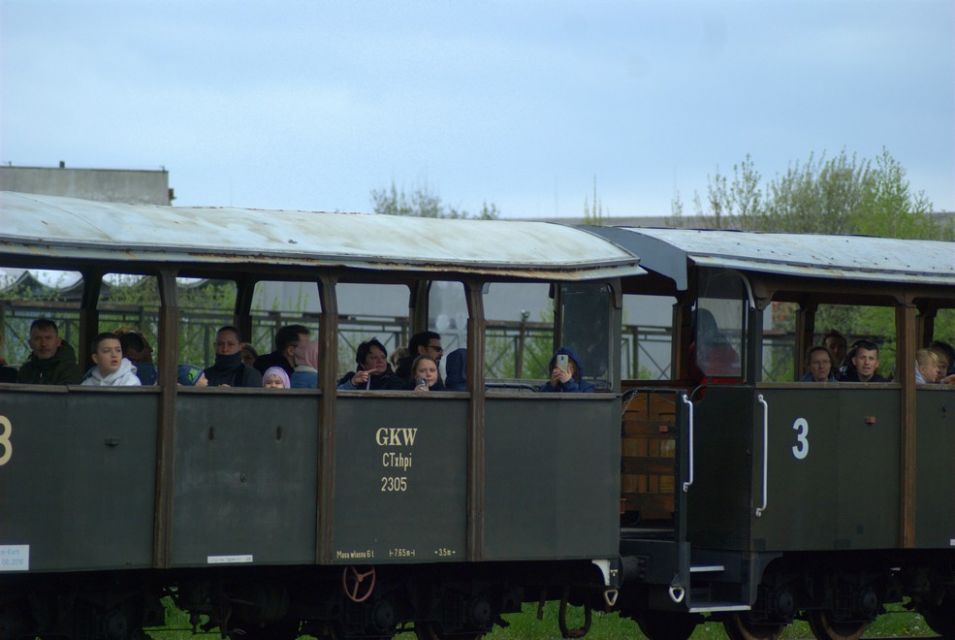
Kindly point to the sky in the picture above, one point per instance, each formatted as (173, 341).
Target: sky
(529, 105)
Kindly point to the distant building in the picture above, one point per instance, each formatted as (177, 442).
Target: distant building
(133, 186)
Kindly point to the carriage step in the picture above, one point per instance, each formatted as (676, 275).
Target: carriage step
(706, 607)
(708, 568)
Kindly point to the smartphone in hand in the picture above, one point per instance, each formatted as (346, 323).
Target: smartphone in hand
(562, 361)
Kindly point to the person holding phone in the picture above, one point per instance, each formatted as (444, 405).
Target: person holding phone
(424, 370)
(373, 372)
(566, 374)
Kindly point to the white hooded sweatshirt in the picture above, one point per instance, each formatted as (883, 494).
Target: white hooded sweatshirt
(125, 376)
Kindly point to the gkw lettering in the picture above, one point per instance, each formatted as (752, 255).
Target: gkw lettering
(395, 437)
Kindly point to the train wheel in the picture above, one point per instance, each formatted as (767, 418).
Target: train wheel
(940, 617)
(667, 625)
(741, 627)
(825, 628)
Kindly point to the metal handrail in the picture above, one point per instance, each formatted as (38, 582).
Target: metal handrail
(689, 483)
(762, 401)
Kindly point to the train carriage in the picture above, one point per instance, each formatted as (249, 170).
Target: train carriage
(823, 500)
(350, 513)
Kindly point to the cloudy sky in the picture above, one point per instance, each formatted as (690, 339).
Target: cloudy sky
(313, 104)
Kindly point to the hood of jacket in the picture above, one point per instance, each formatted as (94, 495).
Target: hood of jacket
(125, 376)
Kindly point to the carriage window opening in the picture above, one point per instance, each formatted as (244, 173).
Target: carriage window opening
(854, 323)
(719, 327)
(285, 319)
(943, 343)
(519, 334)
(129, 307)
(779, 341)
(371, 312)
(586, 330)
(204, 306)
(646, 338)
(448, 317)
(29, 295)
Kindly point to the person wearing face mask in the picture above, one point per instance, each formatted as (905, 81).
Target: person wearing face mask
(373, 372)
(229, 370)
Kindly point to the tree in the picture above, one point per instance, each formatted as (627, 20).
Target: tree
(423, 204)
(842, 195)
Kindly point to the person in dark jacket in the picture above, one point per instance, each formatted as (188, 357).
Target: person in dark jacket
(456, 370)
(52, 361)
(373, 372)
(424, 372)
(229, 370)
(566, 374)
(286, 339)
(865, 363)
(426, 343)
(140, 355)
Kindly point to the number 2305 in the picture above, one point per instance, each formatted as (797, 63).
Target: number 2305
(394, 483)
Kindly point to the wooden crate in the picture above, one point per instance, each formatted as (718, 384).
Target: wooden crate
(648, 464)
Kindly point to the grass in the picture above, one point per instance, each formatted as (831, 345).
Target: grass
(896, 622)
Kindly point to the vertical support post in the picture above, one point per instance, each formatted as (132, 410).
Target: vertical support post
(328, 367)
(805, 330)
(753, 342)
(165, 435)
(476, 421)
(418, 307)
(905, 375)
(242, 315)
(89, 314)
(680, 340)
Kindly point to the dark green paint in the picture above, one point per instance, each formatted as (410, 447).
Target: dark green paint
(935, 477)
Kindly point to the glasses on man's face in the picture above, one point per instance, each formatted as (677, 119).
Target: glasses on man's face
(436, 347)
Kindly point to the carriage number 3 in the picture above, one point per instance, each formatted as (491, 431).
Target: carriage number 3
(6, 447)
(801, 448)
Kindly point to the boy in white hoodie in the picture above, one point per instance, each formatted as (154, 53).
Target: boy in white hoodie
(112, 369)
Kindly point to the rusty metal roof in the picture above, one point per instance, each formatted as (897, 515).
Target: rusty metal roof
(670, 251)
(86, 231)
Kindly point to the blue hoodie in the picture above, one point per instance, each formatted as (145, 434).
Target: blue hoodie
(575, 385)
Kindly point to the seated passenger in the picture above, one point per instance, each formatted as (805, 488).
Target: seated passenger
(946, 355)
(229, 370)
(836, 343)
(865, 363)
(566, 374)
(305, 375)
(373, 371)
(112, 369)
(52, 360)
(927, 369)
(426, 343)
(456, 370)
(712, 359)
(140, 354)
(286, 339)
(275, 378)
(249, 354)
(819, 362)
(425, 372)
(189, 375)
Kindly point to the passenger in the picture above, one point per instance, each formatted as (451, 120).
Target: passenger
(286, 339)
(140, 354)
(276, 378)
(229, 370)
(52, 360)
(712, 359)
(566, 374)
(397, 356)
(305, 375)
(819, 363)
(249, 354)
(927, 369)
(426, 378)
(112, 369)
(189, 375)
(836, 343)
(373, 371)
(456, 370)
(865, 363)
(426, 343)
(947, 352)
(7, 373)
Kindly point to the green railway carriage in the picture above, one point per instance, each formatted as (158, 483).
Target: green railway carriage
(719, 489)
(350, 513)
(817, 500)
